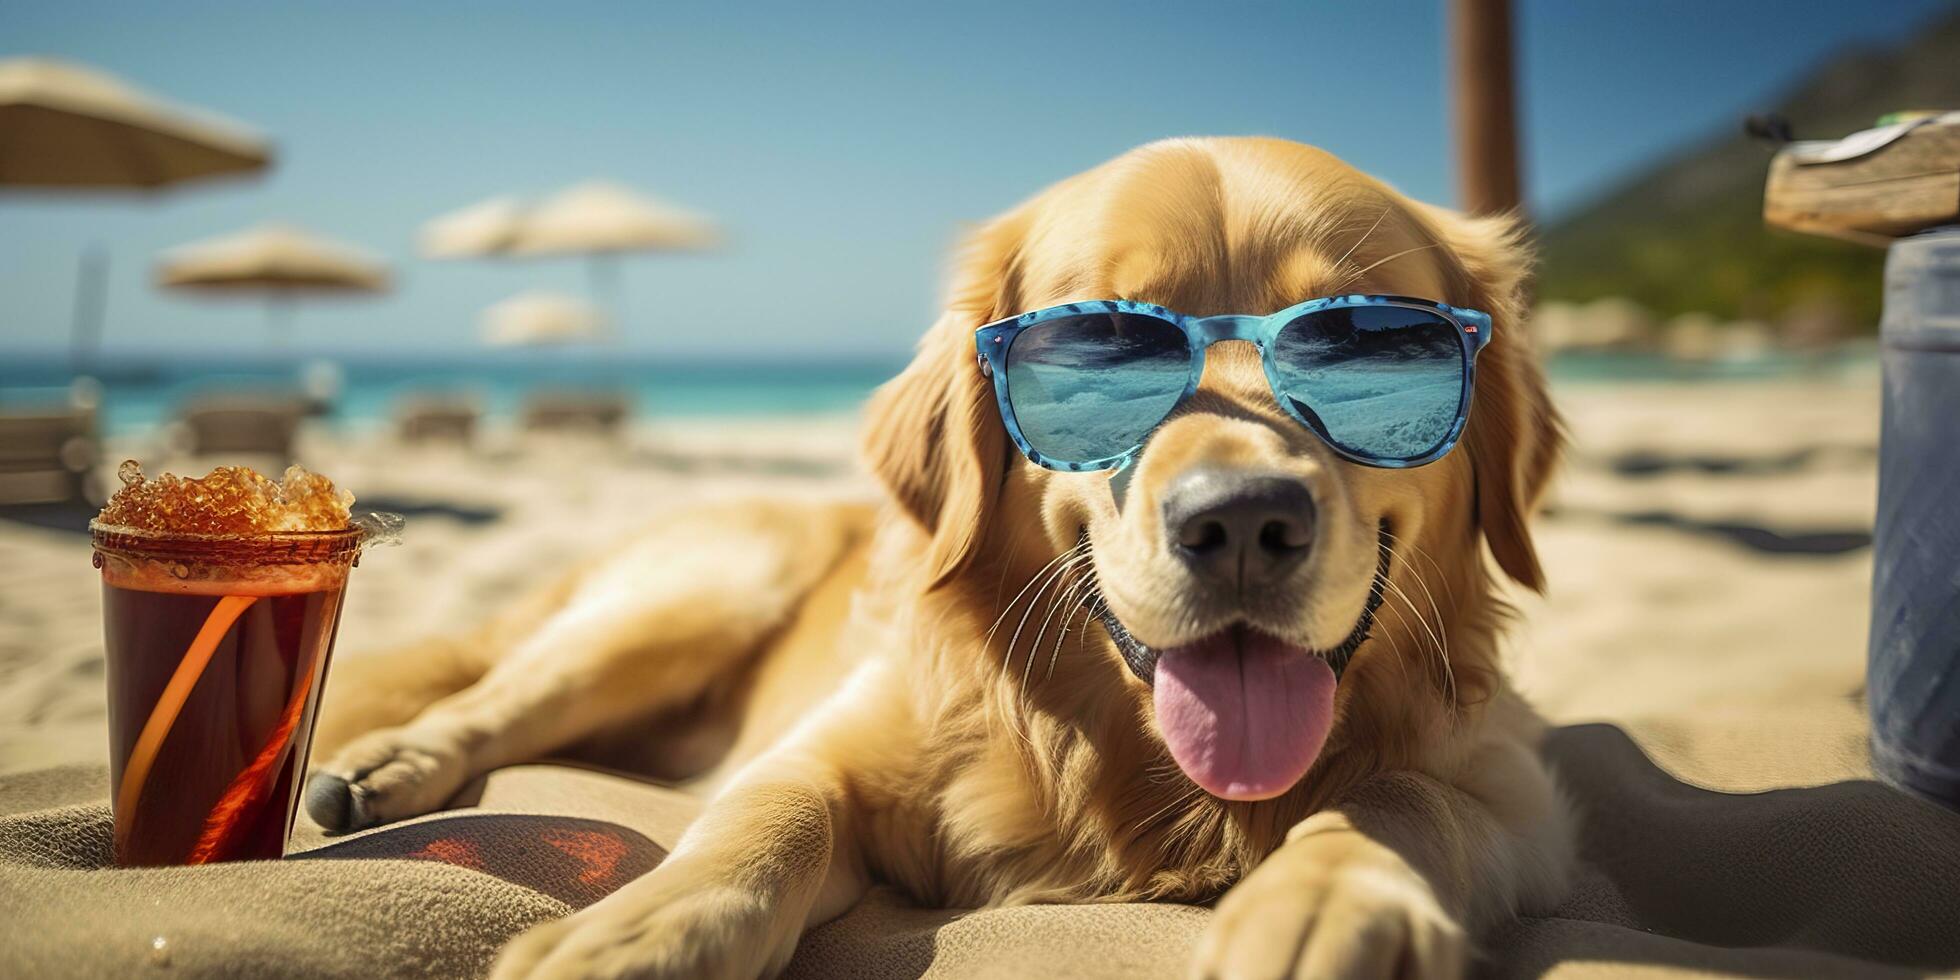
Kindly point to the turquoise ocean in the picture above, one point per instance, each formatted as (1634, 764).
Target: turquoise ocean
(139, 391)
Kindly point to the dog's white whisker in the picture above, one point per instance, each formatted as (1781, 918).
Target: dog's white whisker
(1383, 213)
(1080, 604)
(1007, 662)
(1449, 670)
(1370, 267)
(1008, 609)
(1418, 551)
(1436, 650)
(1092, 603)
(1040, 576)
(1393, 591)
(1394, 644)
(1054, 605)
(1444, 639)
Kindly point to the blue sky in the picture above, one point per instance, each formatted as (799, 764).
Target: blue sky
(841, 145)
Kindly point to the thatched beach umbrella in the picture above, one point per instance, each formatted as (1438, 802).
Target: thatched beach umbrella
(482, 229)
(542, 319)
(276, 262)
(596, 219)
(67, 127)
(603, 218)
(64, 125)
(602, 221)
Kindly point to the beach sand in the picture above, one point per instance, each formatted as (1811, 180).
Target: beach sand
(1706, 545)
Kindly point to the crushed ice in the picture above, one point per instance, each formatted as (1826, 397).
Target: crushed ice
(228, 500)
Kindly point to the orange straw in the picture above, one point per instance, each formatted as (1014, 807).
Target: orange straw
(137, 771)
(254, 785)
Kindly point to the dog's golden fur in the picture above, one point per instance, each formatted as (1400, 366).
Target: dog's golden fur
(915, 693)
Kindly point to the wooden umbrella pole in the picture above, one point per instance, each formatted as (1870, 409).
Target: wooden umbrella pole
(1484, 105)
(91, 297)
(607, 293)
(279, 318)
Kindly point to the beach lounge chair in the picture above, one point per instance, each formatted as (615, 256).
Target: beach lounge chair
(241, 423)
(600, 412)
(48, 456)
(437, 418)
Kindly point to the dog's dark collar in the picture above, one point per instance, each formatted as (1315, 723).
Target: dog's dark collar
(1143, 660)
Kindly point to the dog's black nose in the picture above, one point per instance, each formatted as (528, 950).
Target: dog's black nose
(1239, 529)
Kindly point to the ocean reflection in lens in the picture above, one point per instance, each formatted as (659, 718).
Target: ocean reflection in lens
(1383, 381)
(1089, 387)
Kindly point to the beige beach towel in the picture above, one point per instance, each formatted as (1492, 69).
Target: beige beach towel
(1845, 879)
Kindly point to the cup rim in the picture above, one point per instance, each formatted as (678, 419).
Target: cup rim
(256, 548)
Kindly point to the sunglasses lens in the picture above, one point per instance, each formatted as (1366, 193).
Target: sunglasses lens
(1382, 382)
(1086, 388)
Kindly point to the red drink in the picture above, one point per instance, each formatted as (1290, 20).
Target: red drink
(217, 646)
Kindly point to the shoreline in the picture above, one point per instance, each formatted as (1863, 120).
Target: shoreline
(365, 395)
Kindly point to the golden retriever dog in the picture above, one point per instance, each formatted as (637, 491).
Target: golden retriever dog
(960, 689)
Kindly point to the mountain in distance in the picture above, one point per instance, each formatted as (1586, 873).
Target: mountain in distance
(1687, 235)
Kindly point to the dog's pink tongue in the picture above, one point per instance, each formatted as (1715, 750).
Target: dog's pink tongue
(1244, 714)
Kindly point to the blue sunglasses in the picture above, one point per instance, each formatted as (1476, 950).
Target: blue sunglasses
(1383, 380)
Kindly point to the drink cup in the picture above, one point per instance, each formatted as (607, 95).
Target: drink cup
(217, 648)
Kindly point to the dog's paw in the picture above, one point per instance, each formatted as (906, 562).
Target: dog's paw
(386, 775)
(713, 932)
(1354, 918)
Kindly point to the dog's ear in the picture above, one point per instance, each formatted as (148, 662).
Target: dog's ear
(933, 435)
(1514, 437)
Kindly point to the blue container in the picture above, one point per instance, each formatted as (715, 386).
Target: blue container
(1913, 680)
